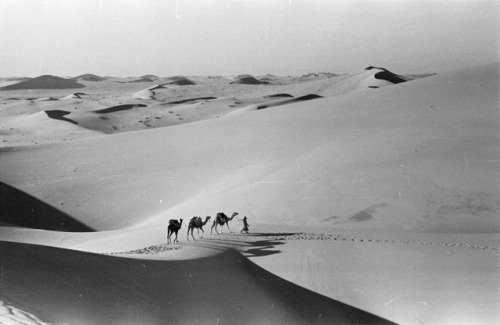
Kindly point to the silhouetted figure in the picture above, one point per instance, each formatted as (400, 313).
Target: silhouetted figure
(245, 225)
(220, 220)
(173, 228)
(197, 223)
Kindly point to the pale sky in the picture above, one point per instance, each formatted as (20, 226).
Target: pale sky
(209, 37)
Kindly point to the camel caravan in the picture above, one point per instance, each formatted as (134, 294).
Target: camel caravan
(197, 223)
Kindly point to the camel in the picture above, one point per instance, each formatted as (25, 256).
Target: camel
(221, 219)
(197, 223)
(173, 227)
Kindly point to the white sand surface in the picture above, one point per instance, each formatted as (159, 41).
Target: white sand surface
(385, 199)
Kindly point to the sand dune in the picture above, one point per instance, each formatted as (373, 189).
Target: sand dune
(74, 96)
(249, 80)
(44, 82)
(150, 76)
(181, 81)
(385, 74)
(88, 77)
(111, 290)
(412, 153)
(37, 128)
(274, 103)
(144, 94)
(394, 184)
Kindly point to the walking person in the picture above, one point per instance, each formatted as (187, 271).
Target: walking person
(245, 225)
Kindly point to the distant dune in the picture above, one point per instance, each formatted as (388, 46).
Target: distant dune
(143, 79)
(149, 76)
(144, 94)
(88, 77)
(181, 81)
(45, 82)
(387, 75)
(74, 96)
(369, 191)
(249, 80)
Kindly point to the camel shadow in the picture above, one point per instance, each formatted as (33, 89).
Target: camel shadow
(265, 247)
(274, 234)
(18, 208)
(249, 248)
(261, 248)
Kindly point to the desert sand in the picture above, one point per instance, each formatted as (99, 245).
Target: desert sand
(372, 198)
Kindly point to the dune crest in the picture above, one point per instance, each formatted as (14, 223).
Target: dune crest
(45, 82)
(249, 80)
(88, 77)
(348, 188)
(249, 294)
(181, 81)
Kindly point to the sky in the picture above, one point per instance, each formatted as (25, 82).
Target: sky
(228, 37)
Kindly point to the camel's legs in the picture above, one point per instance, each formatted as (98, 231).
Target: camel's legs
(202, 233)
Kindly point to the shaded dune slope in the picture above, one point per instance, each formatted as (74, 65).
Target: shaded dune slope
(387, 75)
(45, 82)
(181, 81)
(279, 95)
(76, 287)
(371, 77)
(285, 100)
(59, 115)
(249, 80)
(183, 101)
(21, 209)
(118, 108)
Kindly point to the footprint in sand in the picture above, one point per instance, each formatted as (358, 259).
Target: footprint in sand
(151, 250)
(314, 236)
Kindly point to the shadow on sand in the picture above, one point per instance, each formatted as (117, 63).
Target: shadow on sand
(58, 114)
(265, 247)
(18, 208)
(250, 245)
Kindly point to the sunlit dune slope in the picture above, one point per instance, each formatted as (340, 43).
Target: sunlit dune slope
(417, 156)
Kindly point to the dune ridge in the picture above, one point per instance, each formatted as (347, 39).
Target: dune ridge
(357, 118)
(160, 290)
(88, 77)
(45, 82)
(249, 80)
(181, 81)
(363, 195)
